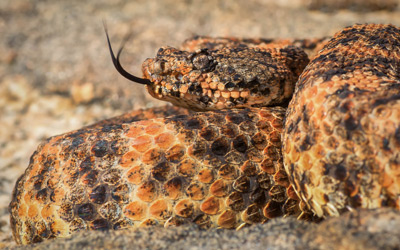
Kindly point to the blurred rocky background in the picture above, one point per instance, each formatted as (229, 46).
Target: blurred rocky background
(56, 73)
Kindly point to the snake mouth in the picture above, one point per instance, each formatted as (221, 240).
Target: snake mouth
(204, 96)
(118, 65)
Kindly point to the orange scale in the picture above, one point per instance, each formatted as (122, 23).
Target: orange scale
(153, 128)
(221, 86)
(160, 209)
(227, 219)
(204, 85)
(205, 176)
(58, 195)
(386, 180)
(136, 210)
(219, 188)
(33, 211)
(182, 137)
(213, 85)
(168, 86)
(320, 98)
(48, 211)
(211, 206)
(196, 191)
(164, 140)
(266, 114)
(268, 165)
(175, 153)
(152, 156)
(58, 227)
(147, 191)
(184, 208)
(187, 168)
(134, 131)
(129, 158)
(136, 175)
(148, 223)
(144, 123)
(173, 188)
(183, 88)
(142, 143)
(313, 91)
(49, 147)
(22, 210)
(320, 113)
(29, 197)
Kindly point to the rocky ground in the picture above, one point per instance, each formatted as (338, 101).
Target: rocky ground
(56, 75)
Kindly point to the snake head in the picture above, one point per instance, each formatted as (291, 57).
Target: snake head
(229, 77)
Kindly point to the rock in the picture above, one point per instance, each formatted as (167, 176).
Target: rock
(362, 229)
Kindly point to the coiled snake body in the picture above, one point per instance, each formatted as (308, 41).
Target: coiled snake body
(228, 168)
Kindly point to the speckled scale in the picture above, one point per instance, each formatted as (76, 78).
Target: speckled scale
(341, 139)
(162, 171)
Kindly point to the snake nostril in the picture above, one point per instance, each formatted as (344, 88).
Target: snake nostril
(160, 67)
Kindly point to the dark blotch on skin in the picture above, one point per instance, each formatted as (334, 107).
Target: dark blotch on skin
(235, 118)
(220, 147)
(236, 202)
(37, 239)
(242, 184)
(38, 182)
(307, 143)
(258, 196)
(273, 209)
(327, 76)
(76, 142)
(385, 143)
(350, 123)
(208, 133)
(100, 224)
(41, 195)
(205, 99)
(100, 149)
(121, 194)
(397, 135)
(199, 149)
(86, 165)
(91, 177)
(340, 172)
(98, 194)
(175, 182)
(240, 144)
(86, 212)
(193, 124)
(160, 171)
(384, 101)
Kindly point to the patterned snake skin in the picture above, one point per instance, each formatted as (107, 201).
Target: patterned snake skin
(225, 168)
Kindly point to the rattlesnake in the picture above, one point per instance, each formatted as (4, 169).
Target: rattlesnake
(225, 168)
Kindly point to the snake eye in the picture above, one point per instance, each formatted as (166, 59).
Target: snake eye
(202, 60)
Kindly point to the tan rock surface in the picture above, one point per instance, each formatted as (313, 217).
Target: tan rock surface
(360, 230)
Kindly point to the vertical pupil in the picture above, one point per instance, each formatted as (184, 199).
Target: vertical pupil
(200, 61)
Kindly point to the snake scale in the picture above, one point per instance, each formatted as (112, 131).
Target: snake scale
(246, 158)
